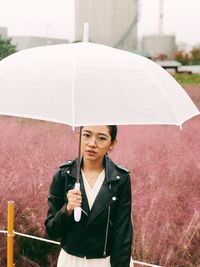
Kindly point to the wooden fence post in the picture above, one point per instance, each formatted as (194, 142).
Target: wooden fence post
(10, 234)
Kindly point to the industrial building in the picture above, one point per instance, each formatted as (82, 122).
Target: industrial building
(24, 42)
(3, 32)
(158, 45)
(111, 22)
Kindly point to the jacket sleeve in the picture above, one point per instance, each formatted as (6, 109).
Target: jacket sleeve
(57, 222)
(122, 237)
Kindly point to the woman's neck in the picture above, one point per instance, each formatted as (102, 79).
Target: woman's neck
(92, 165)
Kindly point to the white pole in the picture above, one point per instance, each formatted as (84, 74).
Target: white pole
(161, 17)
(86, 32)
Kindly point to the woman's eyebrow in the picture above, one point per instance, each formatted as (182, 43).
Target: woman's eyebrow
(103, 134)
(88, 131)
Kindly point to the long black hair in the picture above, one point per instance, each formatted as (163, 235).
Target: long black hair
(113, 132)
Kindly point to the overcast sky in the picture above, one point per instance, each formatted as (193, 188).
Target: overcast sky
(54, 18)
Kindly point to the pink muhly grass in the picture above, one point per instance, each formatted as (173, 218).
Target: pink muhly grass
(164, 163)
(193, 91)
(31, 151)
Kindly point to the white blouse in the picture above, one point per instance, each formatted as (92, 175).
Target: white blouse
(67, 260)
(92, 192)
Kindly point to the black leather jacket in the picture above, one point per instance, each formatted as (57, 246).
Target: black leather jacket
(104, 230)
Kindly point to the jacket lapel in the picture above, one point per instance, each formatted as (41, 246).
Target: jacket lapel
(104, 197)
(101, 202)
(85, 204)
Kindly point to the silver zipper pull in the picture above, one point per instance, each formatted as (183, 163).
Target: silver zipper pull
(84, 212)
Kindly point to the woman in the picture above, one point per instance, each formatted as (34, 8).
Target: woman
(103, 236)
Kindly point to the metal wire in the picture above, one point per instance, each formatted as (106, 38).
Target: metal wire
(58, 243)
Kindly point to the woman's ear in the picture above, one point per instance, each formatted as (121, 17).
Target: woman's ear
(112, 146)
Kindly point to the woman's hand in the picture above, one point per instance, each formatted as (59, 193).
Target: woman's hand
(74, 198)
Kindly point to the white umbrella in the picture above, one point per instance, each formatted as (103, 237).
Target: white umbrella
(90, 84)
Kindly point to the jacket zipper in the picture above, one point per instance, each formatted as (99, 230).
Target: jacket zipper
(106, 237)
(107, 225)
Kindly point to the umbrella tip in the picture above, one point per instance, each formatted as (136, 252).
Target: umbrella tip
(86, 32)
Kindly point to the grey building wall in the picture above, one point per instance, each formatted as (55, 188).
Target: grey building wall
(24, 42)
(4, 32)
(160, 44)
(111, 22)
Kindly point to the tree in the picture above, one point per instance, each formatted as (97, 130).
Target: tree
(183, 57)
(6, 47)
(161, 56)
(195, 53)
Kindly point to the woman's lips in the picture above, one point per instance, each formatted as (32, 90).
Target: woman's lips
(90, 152)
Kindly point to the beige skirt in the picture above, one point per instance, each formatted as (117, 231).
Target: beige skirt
(67, 260)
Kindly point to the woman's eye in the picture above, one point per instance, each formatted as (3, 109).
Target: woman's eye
(102, 138)
(86, 135)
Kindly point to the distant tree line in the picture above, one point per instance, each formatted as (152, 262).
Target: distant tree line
(185, 58)
(188, 58)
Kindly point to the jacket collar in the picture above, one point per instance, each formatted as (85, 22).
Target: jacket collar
(111, 174)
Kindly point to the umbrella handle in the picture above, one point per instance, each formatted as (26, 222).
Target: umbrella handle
(77, 210)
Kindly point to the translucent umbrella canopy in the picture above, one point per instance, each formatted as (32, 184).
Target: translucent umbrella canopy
(89, 84)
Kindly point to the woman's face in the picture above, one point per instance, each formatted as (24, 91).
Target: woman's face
(95, 142)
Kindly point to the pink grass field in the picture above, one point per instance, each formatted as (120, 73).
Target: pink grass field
(164, 162)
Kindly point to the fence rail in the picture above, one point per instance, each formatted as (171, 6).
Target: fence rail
(11, 233)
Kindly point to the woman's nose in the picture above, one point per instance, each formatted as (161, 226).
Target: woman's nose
(92, 141)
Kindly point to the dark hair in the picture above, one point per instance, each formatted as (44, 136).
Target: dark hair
(113, 132)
